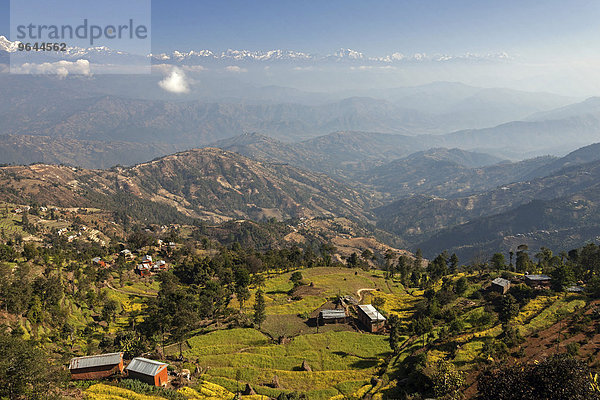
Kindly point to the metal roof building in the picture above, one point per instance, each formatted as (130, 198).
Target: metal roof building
(370, 317)
(96, 367)
(333, 314)
(371, 312)
(148, 371)
(501, 285)
(538, 278)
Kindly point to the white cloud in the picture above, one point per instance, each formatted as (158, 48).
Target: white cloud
(193, 68)
(175, 82)
(235, 68)
(61, 68)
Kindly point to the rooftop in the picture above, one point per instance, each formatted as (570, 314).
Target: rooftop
(501, 282)
(96, 361)
(538, 277)
(371, 312)
(145, 366)
(332, 314)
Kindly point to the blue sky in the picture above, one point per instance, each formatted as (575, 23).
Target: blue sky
(373, 27)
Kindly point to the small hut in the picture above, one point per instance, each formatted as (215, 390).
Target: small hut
(500, 285)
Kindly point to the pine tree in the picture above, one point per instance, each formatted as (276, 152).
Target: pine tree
(259, 308)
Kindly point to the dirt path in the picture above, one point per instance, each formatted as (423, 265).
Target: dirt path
(130, 293)
(359, 292)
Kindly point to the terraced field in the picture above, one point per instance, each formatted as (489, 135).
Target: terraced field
(204, 391)
(341, 362)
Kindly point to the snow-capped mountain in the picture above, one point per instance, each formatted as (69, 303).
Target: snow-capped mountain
(196, 57)
(8, 46)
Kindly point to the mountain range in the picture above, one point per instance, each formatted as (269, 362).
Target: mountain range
(210, 184)
(558, 207)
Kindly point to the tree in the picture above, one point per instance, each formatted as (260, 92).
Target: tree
(461, 285)
(352, 261)
(25, 372)
(422, 326)
(367, 255)
(498, 261)
(448, 381)
(558, 377)
(523, 262)
(296, 278)
(438, 267)
(509, 308)
(395, 333)
(562, 276)
(109, 310)
(453, 263)
(259, 308)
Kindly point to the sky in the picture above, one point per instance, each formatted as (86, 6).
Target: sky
(375, 27)
(550, 41)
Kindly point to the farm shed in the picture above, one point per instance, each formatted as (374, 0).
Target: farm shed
(370, 317)
(148, 371)
(332, 316)
(96, 367)
(538, 280)
(500, 285)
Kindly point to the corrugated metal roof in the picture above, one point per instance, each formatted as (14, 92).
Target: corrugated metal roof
(144, 366)
(371, 312)
(501, 282)
(96, 361)
(538, 277)
(332, 314)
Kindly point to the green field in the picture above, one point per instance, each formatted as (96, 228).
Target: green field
(341, 362)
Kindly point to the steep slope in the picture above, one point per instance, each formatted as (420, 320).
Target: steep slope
(340, 154)
(419, 218)
(528, 138)
(209, 184)
(25, 149)
(565, 222)
(446, 173)
(580, 156)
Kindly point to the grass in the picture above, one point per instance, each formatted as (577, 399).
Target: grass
(107, 392)
(340, 361)
(204, 391)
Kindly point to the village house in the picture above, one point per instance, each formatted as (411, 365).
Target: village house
(538, 281)
(127, 254)
(143, 270)
(370, 317)
(500, 285)
(147, 260)
(160, 265)
(98, 260)
(146, 269)
(148, 371)
(332, 316)
(96, 367)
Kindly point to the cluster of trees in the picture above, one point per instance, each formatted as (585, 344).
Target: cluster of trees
(559, 377)
(25, 372)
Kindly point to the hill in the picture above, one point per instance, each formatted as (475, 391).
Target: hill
(445, 172)
(209, 184)
(556, 205)
(26, 149)
(340, 154)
